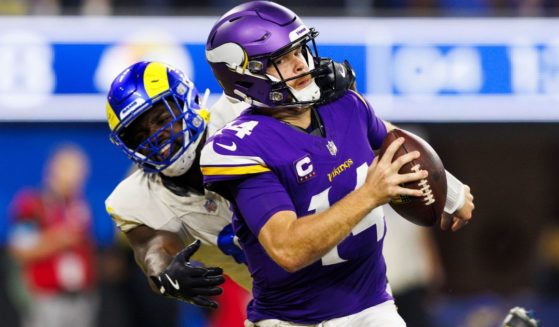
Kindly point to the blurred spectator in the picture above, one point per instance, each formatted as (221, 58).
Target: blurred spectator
(50, 238)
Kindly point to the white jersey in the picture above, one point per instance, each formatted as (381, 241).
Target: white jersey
(224, 111)
(142, 199)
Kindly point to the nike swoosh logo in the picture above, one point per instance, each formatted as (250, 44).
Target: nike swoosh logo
(342, 71)
(231, 147)
(174, 283)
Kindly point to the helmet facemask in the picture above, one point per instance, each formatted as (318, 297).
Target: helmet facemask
(156, 118)
(283, 87)
(171, 149)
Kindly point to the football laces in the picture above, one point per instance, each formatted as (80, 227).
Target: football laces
(428, 196)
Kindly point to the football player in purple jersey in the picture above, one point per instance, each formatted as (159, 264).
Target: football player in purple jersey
(305, 184)
(156, 117)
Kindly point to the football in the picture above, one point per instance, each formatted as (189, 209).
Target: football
(427, 209)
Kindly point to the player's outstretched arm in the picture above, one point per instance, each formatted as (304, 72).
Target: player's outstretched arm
(167, 265)
(296, 243)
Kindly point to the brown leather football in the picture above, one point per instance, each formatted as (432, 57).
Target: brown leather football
(427, 209)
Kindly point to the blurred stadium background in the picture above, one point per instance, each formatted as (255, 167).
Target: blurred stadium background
(478, 78)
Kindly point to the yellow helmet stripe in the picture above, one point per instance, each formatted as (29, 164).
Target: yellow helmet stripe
(205, 114)
(112, 118)
(234, 170)
(156, 80)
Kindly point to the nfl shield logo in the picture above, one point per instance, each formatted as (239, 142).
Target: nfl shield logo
(332, 147)
(210, 205)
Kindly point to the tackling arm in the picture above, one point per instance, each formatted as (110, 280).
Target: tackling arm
(161, 256)
(153, 250)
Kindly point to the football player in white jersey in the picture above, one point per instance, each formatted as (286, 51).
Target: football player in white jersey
(157, 118)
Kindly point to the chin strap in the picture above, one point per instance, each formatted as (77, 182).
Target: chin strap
(184, 161)
(310, 93)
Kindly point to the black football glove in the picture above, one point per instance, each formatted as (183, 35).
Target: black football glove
(519, 317)
(334, 79)
(185, 282)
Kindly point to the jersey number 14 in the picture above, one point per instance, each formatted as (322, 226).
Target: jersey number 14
(320, 202)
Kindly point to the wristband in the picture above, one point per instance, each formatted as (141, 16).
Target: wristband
(455, 196)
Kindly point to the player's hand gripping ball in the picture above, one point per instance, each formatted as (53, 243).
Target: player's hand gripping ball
(427, 209)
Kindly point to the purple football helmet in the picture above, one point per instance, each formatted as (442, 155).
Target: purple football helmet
(247, 40)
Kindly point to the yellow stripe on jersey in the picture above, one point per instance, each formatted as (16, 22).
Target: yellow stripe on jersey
(234, 170)
(112, 118)
(155, 79)
(122, 224)
(113, 215)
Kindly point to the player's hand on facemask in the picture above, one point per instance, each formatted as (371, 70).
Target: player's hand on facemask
(334, 79)
(183, 281)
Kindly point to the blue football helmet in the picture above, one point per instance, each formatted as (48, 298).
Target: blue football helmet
(168, 141)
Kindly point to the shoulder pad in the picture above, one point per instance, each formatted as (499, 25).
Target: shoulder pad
(229, 153)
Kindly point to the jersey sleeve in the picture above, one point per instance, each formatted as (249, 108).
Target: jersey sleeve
(228, 155)
(122, 223)
(127, 202)
(258, 198)
(376, 129)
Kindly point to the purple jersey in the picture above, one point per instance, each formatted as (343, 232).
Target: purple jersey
(314, 172)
